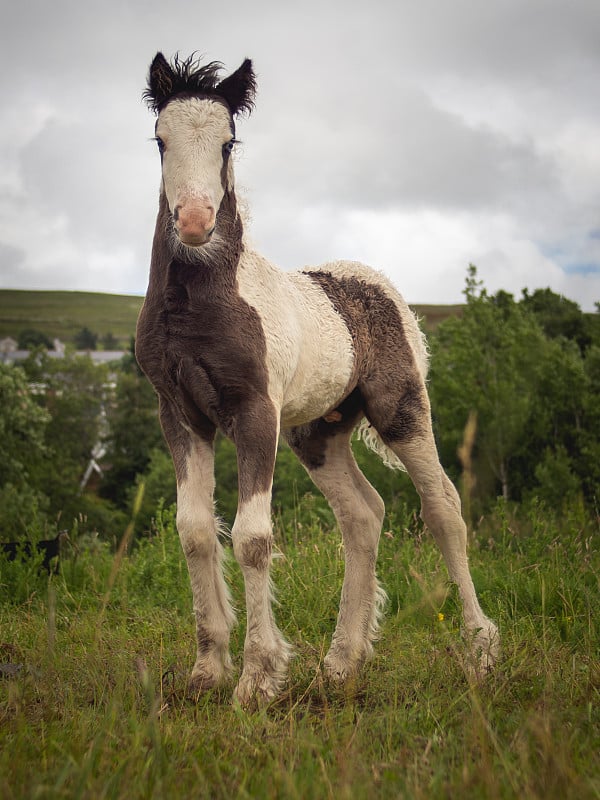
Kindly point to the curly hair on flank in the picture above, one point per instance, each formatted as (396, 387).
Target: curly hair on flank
(190, 77)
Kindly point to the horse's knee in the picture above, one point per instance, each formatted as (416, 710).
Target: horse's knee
(252, 533)
(197, 533)
(253, 552)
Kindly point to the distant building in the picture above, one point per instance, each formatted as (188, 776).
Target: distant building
(9, 353)
(7, 346)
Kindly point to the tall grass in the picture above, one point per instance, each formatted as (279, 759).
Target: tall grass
(94, 662)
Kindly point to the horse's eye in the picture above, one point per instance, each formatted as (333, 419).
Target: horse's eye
(228, 147)
(161, 145)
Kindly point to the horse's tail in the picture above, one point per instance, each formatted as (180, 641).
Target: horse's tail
(374, 442)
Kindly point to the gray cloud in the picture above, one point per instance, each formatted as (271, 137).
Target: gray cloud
(432, 134)
(11, 259)
(409, 154)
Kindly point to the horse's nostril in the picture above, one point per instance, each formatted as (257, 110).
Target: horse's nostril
(176, 213)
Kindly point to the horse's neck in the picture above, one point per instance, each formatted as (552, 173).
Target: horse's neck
(216, 265)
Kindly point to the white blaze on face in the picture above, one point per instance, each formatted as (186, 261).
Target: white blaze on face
(193, 133)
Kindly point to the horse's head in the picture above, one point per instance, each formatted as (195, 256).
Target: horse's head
(195, 133)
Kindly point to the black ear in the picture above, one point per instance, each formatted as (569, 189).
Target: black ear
(160, 82)
(238, 89)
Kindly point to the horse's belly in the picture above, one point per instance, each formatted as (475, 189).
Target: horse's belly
(321, 379)
(310, 354)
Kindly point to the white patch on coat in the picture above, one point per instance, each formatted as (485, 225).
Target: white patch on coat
(195, 510)
(253, 518)
(310, 356)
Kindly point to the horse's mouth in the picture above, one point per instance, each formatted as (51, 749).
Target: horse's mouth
(196, 240)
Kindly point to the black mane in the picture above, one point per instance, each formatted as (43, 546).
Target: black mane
(190, 77)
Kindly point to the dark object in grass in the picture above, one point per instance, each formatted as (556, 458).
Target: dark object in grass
(50, 548)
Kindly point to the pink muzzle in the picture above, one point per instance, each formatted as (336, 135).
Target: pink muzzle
(194, 222)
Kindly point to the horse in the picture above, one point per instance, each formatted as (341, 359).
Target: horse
(232, 343)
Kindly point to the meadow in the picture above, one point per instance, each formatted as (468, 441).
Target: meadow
(94, 664)
(62, 314)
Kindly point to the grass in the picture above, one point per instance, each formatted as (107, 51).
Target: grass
(62, 314)
(98, 709)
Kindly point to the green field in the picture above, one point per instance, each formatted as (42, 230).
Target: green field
(94, 664)
(62, 314)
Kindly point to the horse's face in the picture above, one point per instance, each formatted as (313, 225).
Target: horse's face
(195, 139)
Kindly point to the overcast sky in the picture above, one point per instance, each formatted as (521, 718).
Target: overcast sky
(417, 136)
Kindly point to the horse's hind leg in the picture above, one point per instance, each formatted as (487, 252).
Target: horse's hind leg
(325, 451)
(406, 429)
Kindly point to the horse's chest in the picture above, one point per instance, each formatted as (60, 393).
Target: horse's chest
(210, 351)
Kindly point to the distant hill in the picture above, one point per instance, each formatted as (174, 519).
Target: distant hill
(431, 316)
(62, 314)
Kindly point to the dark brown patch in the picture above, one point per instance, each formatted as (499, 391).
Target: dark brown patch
(309, 442)
(205, 639)
(178, 439)
(385, 371)
(256, 552)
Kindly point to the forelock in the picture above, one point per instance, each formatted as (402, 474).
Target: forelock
(187, 76)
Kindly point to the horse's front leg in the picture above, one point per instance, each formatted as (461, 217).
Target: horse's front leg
(193, 457)
(266, 653)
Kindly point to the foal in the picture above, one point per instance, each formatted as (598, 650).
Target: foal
(231, 342)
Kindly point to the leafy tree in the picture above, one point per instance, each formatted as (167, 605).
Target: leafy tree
(84, 339)
(559, 316)
(533, 392)
(30, 339)
(159, 489)
(133, 433)
(22, 453)
(73, 391)
(485, 362)
(110, 341)
(22, 427)
(589, 431)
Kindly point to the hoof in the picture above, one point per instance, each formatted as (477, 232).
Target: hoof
(337, 672)
(484, 651)
(199, 684)
(256, 690)
(342, 664)
(263, 678)
(206, 676)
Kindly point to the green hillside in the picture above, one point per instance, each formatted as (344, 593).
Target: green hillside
(62, 314)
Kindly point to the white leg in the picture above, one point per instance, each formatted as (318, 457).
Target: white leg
(266, 653)
(359, 511)
(441, 513)
(197, 529)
